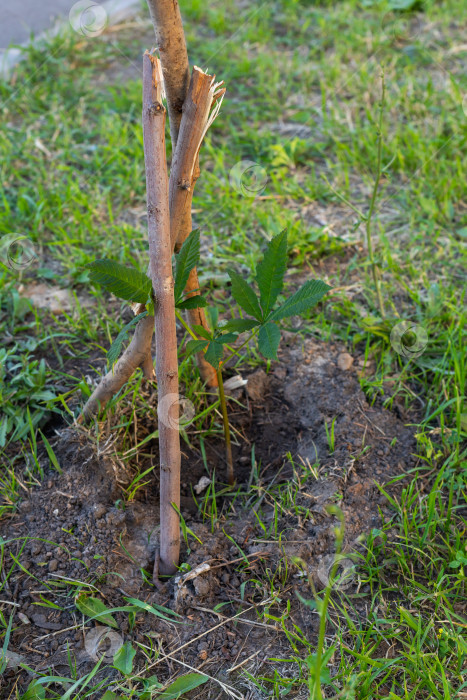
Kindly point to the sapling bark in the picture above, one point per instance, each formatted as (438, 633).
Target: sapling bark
(171, 44)
(197, 116)
(160, 263)
(137, 354)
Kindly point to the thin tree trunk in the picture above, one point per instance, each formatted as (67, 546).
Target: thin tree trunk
(174, 60)
(137, 354)
(160, 261)
(170, 39)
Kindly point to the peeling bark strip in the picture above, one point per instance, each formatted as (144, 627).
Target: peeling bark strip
(170, 39)
(160, 263)
(137, 354)
(201, 107)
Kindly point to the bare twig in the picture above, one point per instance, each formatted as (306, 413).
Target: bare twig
(136, 355)
(160, 261)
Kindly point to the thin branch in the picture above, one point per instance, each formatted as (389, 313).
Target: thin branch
(137, 354)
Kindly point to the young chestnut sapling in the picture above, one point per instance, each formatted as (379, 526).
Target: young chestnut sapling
(265, 313)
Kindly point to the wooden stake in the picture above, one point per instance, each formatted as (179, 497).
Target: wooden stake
(160, 263)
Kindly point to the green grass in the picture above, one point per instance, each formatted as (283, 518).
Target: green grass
(73, 184)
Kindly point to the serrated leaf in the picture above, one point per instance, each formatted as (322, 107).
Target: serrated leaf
(226, 338)
(244, 295)
(195, 302)
(214, 353)
(304, 298)
(95, 610)
(125, 282)
(271, 270)
(193, 346)
(268, 340)
(183, 685)
(185, 261)
(203, 332)
(116, 347)
(239, 325)
(123, 659)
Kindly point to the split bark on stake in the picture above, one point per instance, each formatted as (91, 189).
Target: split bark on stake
(160, 262)
(171, 44)
(136, 355)
(174, 60)
(201, 107)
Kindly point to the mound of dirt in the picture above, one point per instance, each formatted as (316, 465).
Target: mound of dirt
(75, 529)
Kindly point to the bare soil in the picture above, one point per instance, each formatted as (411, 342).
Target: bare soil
(75, 527)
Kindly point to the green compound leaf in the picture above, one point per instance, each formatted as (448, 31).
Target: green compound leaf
(185, 261)
(194, 346)
(203, 332)
(307, 296)
(214, 353)
(239, 325)
(271, 270)
(116, 347)
(244, 295)
(195, 302)
(125, 282)
(268, 340)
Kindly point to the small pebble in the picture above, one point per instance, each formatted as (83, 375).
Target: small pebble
(344, 361)
(53, 565)
(99, 510)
